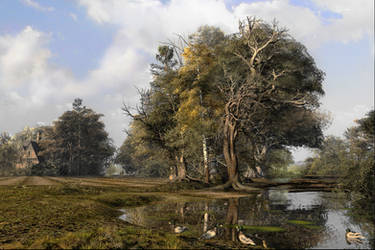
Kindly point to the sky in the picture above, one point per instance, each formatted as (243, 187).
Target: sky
(53, 51)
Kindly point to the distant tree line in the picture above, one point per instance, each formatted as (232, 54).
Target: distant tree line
(350, 158)
(75, 145)
(225, 104)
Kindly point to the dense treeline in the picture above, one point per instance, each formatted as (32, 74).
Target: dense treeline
(76, 144)
(8, 154)
(225, 101)
(351, 158)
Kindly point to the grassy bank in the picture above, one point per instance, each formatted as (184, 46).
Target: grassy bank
(65, 216)
(80, 216)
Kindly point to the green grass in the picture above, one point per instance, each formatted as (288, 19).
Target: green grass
(74, 216)
(70, 217)
(299, 222)
(263, 228)
(314, 227)
(305, 224)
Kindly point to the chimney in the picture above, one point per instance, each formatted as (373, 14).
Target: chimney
(38, 136)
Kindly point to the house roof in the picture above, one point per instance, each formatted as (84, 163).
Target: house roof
(35, 147)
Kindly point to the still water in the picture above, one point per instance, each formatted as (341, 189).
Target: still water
(279, 219)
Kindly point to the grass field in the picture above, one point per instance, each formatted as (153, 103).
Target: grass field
(55, 212)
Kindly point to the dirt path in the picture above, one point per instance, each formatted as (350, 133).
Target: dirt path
(12, 180)
(90, 181)
(136, 182)
(39, 181)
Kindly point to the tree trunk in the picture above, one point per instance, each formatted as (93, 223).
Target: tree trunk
(181, 168)
(230, 156)
(205, 160)
(173, 173)
(229, 149)
(260, 159)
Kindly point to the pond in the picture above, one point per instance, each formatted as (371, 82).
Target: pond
(275, 218)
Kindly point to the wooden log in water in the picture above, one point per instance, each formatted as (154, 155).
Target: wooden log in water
(298, 183)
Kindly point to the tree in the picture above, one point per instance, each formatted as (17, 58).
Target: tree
(330, 158)
(257, 90)
(142, 156)
(77, 144)
(8, 154)
(351, 158)
(155, 116)
(265, 72)
(199, 112)
(360, 168)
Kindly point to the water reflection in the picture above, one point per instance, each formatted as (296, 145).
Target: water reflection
(278, 219)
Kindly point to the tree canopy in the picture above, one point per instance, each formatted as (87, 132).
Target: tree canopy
(77, 143)
(351, 158)
(257, 89)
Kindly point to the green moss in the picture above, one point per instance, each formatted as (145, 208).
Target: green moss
(120, 200)
(263, 228)
(299, 222)
(315, 227)
(77, 216)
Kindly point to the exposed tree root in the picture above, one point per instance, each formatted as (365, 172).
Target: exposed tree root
(224, 186)
(240, 187)
(194, 179)
(236, 185)
(186, 179)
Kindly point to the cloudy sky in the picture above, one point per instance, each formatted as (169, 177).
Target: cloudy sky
(52, 51)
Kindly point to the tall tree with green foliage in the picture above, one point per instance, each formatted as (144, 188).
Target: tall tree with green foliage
(265, 73)
(77, 144)
(360, 173)
(259, 84)
(138, 154)
(154, 117)
(199, 112)
(8, 154)
(350, 158)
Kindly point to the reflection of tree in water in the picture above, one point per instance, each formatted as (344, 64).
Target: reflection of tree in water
(257, 211)
(304, 226)
(231, 218)
(359, 212)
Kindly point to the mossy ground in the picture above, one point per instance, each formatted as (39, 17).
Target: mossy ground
(69, 215)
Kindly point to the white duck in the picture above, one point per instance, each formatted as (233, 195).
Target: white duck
(209, 234)
(180, 229)
(243, 238)
(353, 237)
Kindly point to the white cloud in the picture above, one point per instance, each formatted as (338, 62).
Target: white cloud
(142, 25)
(34, 90)
(357, 19)
(160, 21)
(22, 56)
(30, 87)
(343, 119)
(37, 6)
(24, 67)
